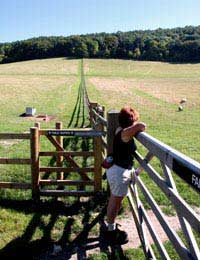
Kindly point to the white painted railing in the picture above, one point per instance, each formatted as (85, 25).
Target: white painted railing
(189, 171)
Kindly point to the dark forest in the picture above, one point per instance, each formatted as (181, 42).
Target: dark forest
(171, 45)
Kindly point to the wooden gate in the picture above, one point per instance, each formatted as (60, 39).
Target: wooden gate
(170, 161)
(88, 176)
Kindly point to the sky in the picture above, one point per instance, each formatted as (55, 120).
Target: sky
(24, 19)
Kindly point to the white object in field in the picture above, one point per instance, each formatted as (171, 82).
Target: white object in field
(180, 108)
(183, 100)
(30, 111)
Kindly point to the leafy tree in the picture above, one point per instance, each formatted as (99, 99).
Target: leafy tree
(93, 47)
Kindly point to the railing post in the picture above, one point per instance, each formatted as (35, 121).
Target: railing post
(92, 116)
(112, 124)
(112, 119)
(102, 112)
(98, 160)
(37, 124)
(34, 131)
(59, 159)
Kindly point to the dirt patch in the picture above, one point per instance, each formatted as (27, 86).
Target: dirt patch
(113, 84)
(167, 90)
(40, 117)
(128, 225)
(118, 91)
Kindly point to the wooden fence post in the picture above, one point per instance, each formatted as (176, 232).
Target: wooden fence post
(59, 159)
(34, 131)
(92, 116)
(112, 119)
(112, 124)
(37, 124)
(98, 160)
(102, 112)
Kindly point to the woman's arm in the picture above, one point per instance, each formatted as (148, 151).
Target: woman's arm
(129, 132)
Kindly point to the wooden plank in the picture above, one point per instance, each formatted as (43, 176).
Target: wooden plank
(68, 158)
(135, 217)
(45, 131)
(66, 182)
(187, 168)
(66, 153)
(93, 105)
(65, 169)
(104, 144)
(98, 160)
(154, 235)
(147, 159)
(173, 236)
(151, 229)
(113, 123)
(145, 242)
(35, 162)
(100, 118)
(181, 206)
(14, 136)
(187, 230)
(15, 185)
(63, 193)
(15, 161)
(59, 159)
(60, 148)
(92, 122)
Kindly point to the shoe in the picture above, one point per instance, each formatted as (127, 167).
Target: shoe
(115, 237)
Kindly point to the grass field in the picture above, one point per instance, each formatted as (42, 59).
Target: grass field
(48, 85)
(156, 96)
(52, 85)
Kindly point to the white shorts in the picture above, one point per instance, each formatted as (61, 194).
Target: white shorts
(119, 180)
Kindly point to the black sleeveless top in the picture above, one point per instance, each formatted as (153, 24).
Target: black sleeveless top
(123, 151)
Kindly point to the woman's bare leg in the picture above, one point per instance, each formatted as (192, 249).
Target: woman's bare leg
(113, 208)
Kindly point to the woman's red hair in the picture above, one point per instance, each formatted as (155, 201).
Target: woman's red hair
(127, 116)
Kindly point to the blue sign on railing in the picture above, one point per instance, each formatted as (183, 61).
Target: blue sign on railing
(88, 133)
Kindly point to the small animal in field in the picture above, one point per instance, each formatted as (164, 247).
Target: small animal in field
(183, 100)
(180, 108)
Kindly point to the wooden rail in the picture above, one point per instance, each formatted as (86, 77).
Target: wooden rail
(15, 161)
(90, 176)
(14, 136)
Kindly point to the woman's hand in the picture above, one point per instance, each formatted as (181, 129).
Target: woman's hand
(129, 132)
(139, 127)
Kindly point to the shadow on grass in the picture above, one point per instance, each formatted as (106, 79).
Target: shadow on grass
(71, 242)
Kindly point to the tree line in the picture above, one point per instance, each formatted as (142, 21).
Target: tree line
(172, 45)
